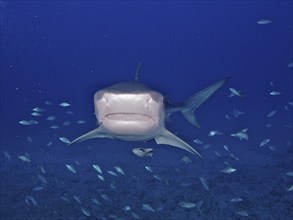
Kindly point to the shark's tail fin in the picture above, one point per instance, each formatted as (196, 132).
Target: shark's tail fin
(193, 102)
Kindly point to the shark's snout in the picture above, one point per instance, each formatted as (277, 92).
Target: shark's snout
(132, 114)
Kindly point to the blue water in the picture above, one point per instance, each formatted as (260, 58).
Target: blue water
(54, 52)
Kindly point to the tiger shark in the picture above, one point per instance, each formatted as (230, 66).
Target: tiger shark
(132, 111)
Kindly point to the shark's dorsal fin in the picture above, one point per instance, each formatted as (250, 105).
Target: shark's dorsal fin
(136, 79)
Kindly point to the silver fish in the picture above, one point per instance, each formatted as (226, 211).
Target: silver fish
(228, 170)
(37, 109)
(204, 183)
(51, 118)
(148, 168)
(97, 168)
(143, 152)
(101, 178)
(242, 213)
(186, 159)
(85, 212)
(242, 135)
(275, 93)
(147, 207)
(264, 21)
(24, 122)
(36, 114)
(24, 158)
(7, 155)
(120, 170)
(70, 168)
(235, 92)
(64, 139)
(264, 142)
(187, 205)
(112, 173)
(213, 133)
(64, 104)
(271, 113)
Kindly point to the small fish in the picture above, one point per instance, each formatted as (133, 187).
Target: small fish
(81, 122)
(290, 188)
(272, 148)
(37, 109)
(148, 168)
(290, 173)
(228, 170)
(85, 212)
(218, 154)
(235, 92)
(24, 122)
(101, 178)
(36, 114)
(69, 112)
(264, 21)
(134, 215)
(33, 122)
(120, 170)
(64, 198)
(236, 199)
(242, 213)
(70, 168)
(186, 159)
(213, 133)
(242, 135)
(271, 113)
(275, 93)
(112, 173)
(96, 201)
(42, 178)
(264, 142)
(77, 163)
(66, 123)
(234, 157)
(64, 104)
(226, 147)
(147, 207)
(49, 144)
(76, 198)
(54, 127)
(126, 208)
(197, 141)
(204, 183)
(143, 152)
(38, 188)
(32, 199)
(42, 168)
(187, 205)
(227, 117)
(157, 177)
(104, 196)
(48, 103)
(65, 140)
(97, 168)
(290, 65)
(51, 118)
(7, 155)
(237, 113)
(24, 158)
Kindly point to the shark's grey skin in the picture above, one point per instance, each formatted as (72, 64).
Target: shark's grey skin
(134, 112)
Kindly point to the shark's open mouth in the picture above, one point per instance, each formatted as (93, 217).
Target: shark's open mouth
(128, 117)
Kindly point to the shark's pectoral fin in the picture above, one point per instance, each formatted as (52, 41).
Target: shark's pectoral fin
(166, 137)
(96, 133)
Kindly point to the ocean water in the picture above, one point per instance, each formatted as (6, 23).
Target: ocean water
(63, 52)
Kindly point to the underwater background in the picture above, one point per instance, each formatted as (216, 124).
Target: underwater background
(62, 52)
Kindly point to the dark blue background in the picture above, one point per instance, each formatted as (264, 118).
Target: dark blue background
(66, 51)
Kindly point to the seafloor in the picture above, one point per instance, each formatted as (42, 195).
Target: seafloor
(45, 189)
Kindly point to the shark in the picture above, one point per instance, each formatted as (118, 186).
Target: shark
(132, 111)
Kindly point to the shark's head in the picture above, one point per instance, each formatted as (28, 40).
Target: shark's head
(129, 109)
